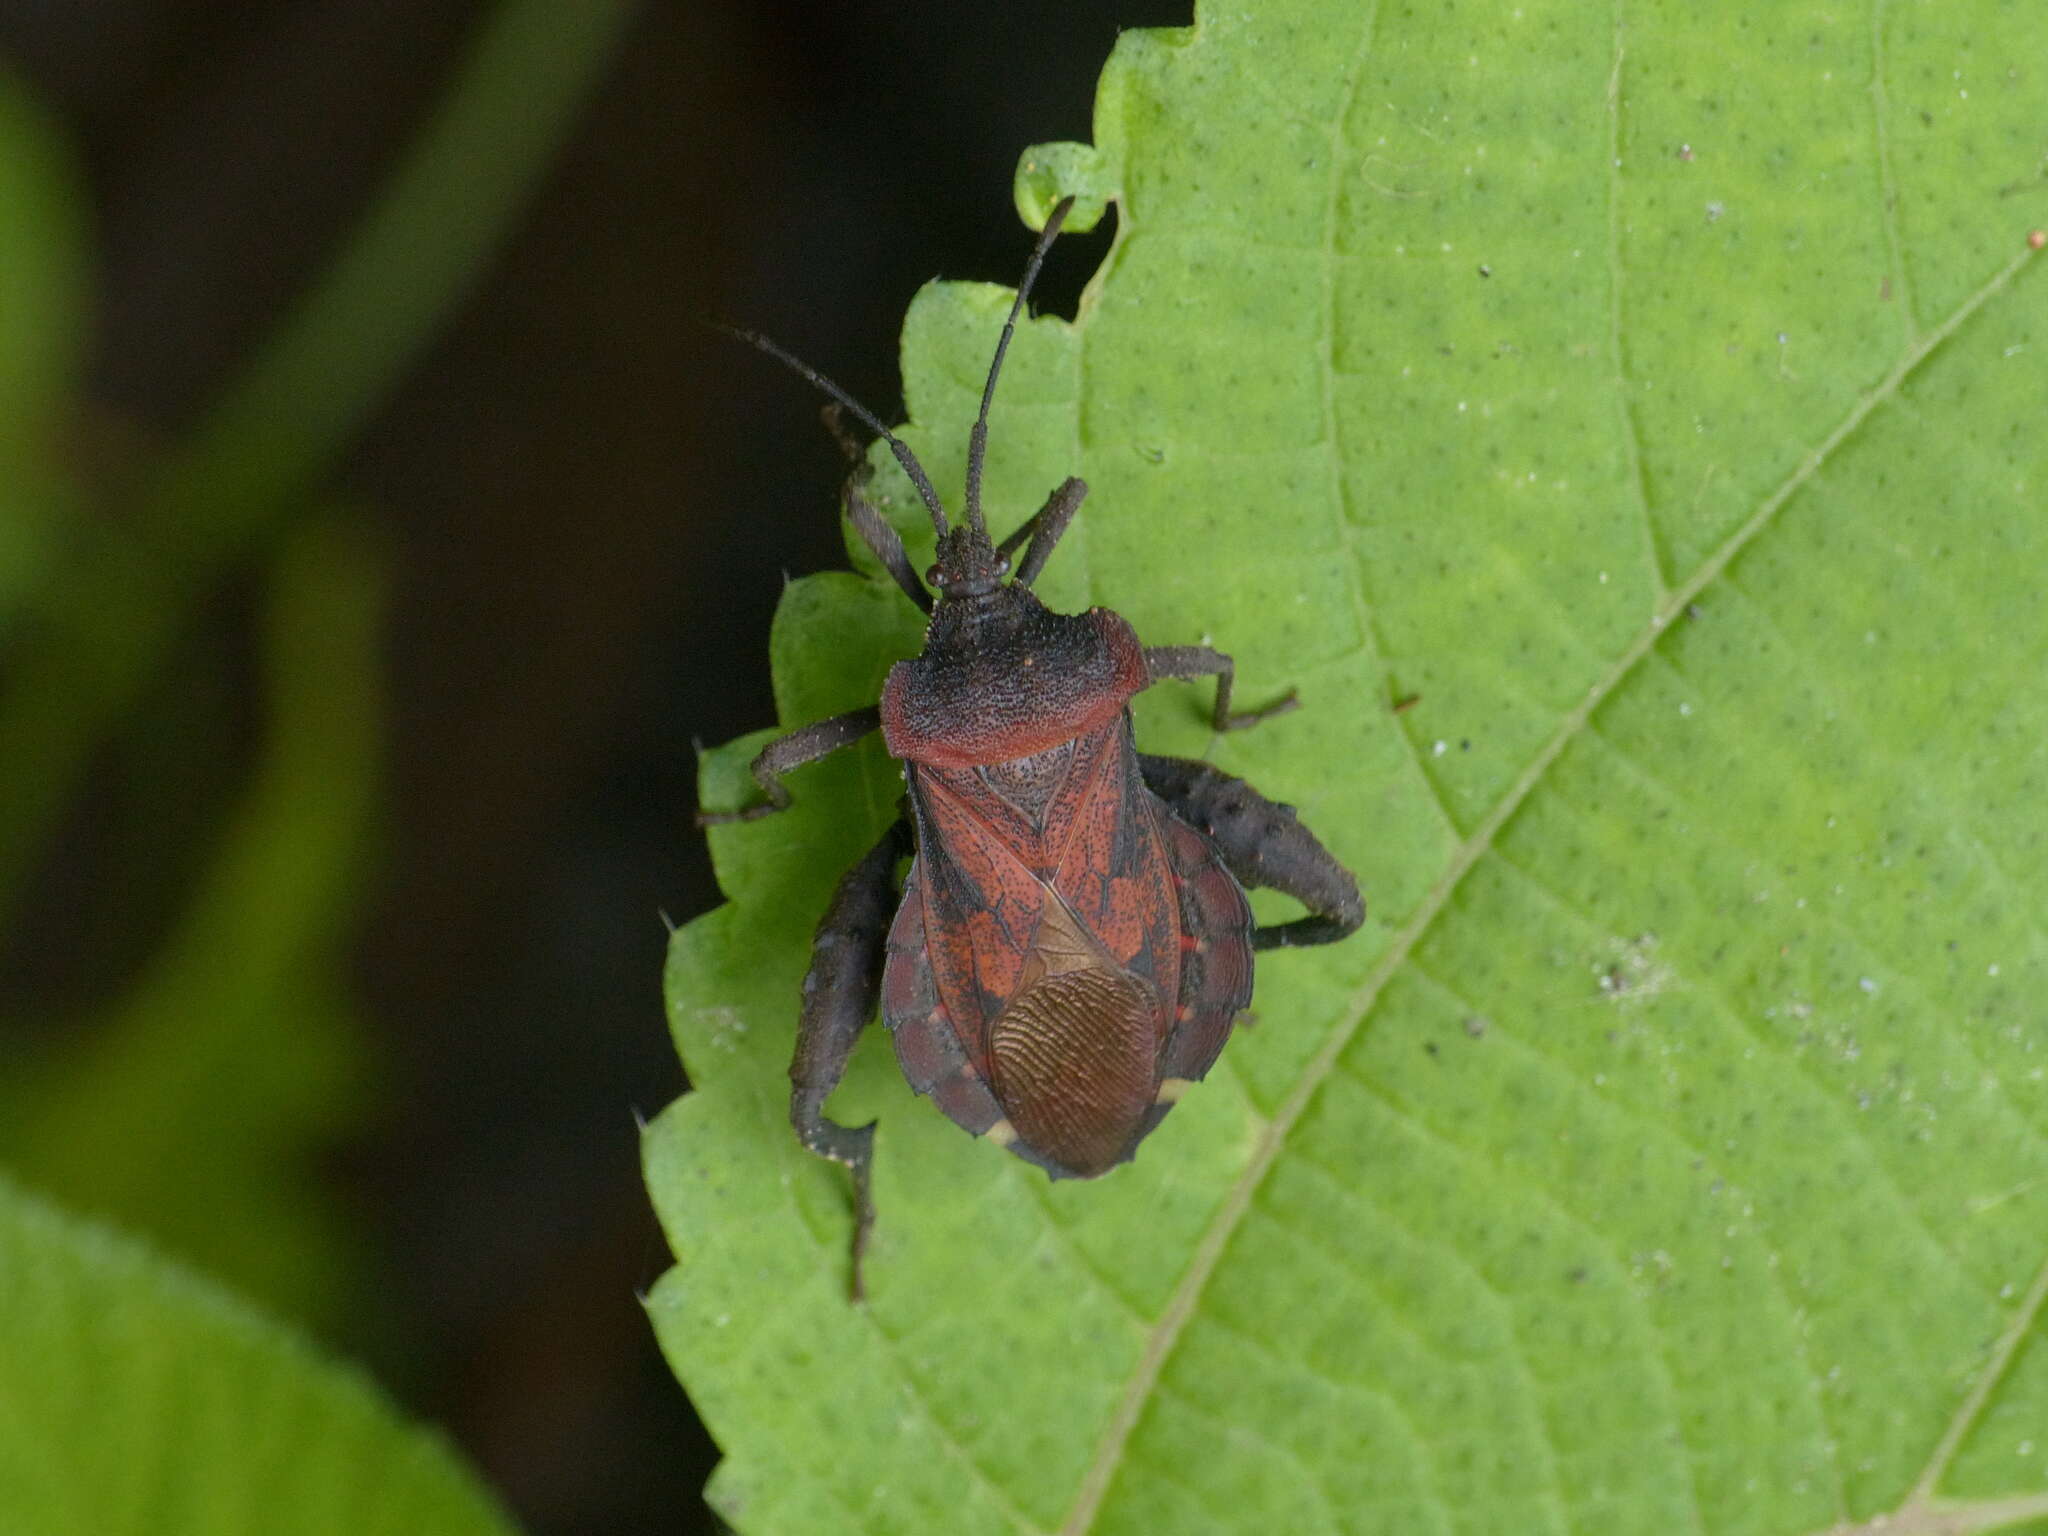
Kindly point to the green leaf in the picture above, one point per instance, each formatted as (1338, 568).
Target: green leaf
(111, 611)
(42, 334)
(193, 1110)
(1655, 393)
(137, 1397)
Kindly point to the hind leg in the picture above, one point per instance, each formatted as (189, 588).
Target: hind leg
(1263, 845)
(840, 992)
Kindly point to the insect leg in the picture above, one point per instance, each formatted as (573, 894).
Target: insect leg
(840, 992)
(1044, 527)
(786, 753)
(873, 528)
(1188, 662)
(1263, 845)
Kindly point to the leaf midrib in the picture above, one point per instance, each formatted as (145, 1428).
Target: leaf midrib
(1187, 1295)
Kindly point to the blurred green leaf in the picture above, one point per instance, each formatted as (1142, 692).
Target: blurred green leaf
(192, 1111)
(113, 610)
(42, 325)
(1655, 391)
(137, 1397)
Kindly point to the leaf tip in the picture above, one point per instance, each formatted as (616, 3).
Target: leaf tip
(1048, 172)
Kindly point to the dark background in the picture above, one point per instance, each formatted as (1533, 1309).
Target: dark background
(591, 502)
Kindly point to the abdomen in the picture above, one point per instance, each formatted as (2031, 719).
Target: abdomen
(1069, 955)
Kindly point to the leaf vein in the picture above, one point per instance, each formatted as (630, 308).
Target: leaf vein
(2003, 1353)
(1356, 1392)
(1237, 1429)
(1532, 1383)
(1388, 1307)
(1888, 187)
(1661, 1126)
(1617, 295)
(1034, 1186)
(1825, 1099)
(1332, 436)
(1944, 1517)
(892, 1351)
(1536, 1195)
(1656, 1127)
(1977, 849)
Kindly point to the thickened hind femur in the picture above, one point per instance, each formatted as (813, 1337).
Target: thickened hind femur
(1073, 1057)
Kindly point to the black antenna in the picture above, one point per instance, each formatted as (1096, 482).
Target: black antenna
(977, 441)
(903, 454)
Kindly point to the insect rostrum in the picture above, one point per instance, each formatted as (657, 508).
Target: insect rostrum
(1072, 944)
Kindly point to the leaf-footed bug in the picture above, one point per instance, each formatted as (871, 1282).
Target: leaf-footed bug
(1072, 944)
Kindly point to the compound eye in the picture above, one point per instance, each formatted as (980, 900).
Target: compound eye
(935, 576)
(1002, 565)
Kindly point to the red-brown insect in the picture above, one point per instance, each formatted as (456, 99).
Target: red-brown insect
(1072, 943)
